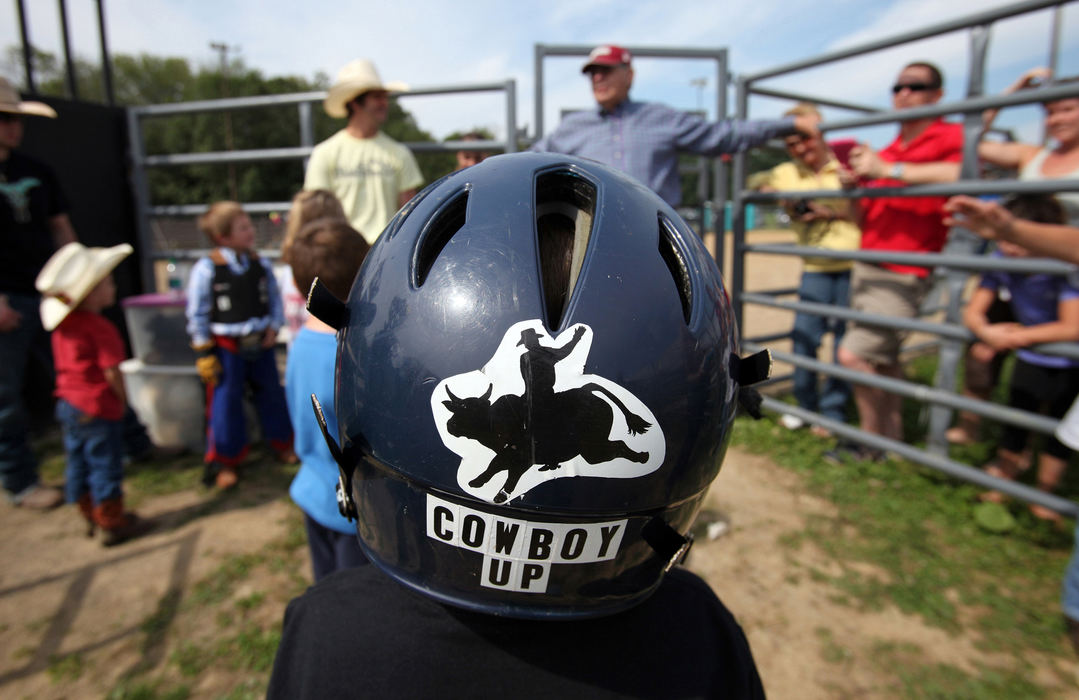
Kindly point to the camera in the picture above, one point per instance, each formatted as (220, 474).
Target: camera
(800, 207)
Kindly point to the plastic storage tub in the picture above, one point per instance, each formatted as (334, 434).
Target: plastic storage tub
(157, 327)
(170, 401)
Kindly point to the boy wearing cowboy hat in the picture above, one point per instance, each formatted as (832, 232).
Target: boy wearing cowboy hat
(233, 312)
(76, 286)
(370, 173)
(33, 224)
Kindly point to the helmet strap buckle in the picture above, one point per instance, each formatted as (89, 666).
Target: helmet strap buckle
(671, 545)
(345, 502)
(679, 556)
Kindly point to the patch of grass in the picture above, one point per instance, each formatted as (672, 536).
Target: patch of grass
(831, 651)
(791, 540)
(128, 689)
(217, 586)
(251, 649)
(927, 555)
(944, 681)
(250, 689)
(191, 659)
(251, 602)
(163, 477)
(38, 624)
(157, 624)
(66, 668)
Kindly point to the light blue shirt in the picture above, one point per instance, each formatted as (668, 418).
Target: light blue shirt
(310, 370)
(643, 140)
(200, 300)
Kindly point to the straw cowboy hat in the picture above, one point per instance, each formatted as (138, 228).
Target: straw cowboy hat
(356, 78)
(11, 104)
(71, 274)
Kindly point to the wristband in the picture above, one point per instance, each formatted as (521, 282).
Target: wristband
(896, 171)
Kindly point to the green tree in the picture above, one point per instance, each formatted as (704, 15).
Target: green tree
(146, 79)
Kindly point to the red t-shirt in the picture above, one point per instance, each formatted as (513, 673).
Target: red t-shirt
(83, 347)
(911, 224)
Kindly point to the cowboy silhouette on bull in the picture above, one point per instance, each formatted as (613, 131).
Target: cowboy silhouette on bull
(543, 426)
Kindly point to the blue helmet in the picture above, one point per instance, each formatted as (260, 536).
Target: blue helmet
(537, 373)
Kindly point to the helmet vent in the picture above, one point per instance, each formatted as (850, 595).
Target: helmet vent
(437, 234)
(565, 208)
(675, 259)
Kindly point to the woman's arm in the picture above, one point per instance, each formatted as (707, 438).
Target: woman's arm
(993, 222)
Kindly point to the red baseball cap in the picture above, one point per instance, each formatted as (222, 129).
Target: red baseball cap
(607, 55)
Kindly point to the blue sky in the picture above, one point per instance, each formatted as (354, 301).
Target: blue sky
(432, 43)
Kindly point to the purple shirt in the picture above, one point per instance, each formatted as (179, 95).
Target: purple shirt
(1034, 301)
(643, 139)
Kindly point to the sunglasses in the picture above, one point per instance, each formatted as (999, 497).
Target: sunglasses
(8, 117)
(913, 87)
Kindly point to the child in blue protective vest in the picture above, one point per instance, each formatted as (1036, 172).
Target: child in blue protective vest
(1047, 310)
(233, 313)
(331, 250)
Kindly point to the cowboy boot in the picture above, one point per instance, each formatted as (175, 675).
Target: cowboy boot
(86, 509)
(117, 525)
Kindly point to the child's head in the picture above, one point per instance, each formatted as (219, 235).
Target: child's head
(77, 277)
(1039, 208)
(101, 297)
(329, 249)
(307, 206)
(226, 224)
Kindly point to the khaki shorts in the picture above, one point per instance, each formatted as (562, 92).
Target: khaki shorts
(878, 291)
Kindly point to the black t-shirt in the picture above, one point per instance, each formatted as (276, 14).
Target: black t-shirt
(359, 634)
(29, 197)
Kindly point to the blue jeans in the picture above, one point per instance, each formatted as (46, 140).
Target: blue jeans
(18, 466)
(95, 454)
(331, 550)
(1070, 593)
(822, 288)
(226, 427)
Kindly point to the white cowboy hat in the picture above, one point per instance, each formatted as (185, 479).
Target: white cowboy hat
(12, 104)
(71, 274)
(356, 78)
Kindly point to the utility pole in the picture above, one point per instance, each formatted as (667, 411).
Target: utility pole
(223, 52)
(700, 84)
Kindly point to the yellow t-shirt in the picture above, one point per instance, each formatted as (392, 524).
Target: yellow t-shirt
(838, 234)
(367, 175)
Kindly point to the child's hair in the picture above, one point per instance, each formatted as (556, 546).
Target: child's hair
(802, 109)
(217, 221)
(330, 249)
(307, 206)
(1039, 208)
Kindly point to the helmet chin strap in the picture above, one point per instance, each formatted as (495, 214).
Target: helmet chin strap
(345, 503)
(667, 542)
(327, 308)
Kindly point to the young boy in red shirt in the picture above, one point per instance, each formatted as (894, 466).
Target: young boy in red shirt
(76, 286)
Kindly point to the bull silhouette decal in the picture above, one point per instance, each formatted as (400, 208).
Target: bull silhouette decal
(531, 415)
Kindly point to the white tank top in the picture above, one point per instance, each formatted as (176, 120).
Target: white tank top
(1069, 200)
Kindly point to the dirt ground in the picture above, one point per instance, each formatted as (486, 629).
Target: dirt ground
(76, 619)
(62, 596)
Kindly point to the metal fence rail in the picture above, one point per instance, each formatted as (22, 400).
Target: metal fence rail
(717, 202)
(953, 266)
(145, 210)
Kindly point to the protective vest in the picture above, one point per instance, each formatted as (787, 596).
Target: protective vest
(238, 297)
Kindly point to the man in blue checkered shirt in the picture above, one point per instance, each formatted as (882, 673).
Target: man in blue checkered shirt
(643, 139)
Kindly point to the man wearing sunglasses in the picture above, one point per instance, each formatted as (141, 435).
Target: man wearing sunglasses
(33, 223)
(926, 150)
